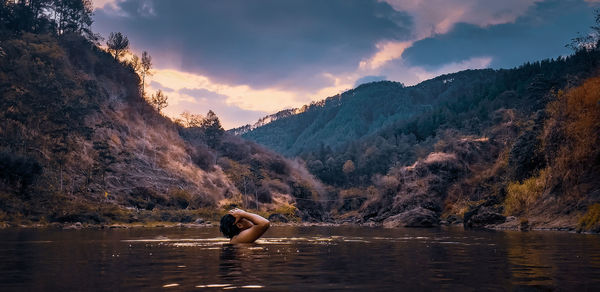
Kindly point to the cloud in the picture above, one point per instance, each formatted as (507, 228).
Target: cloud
(540, 33)
(203, 94)
(387, 51)
(244, 96)
(202, 100)
(244, 59)
(472, 63)
(157, 85)
(437, 17)
(100, 4)
(234, 104)
(265, 43)
(368, 79)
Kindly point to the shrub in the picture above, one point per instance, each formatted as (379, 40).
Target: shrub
(289, 211)
(521, 196)
(591, 220)
(204, 158)
(571, 138)
(180, 198)
(145, 198)
(264, 195)
(279, 166)
(19, 171)
(277, 185)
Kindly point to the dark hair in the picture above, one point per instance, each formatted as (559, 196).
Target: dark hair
(228, 227)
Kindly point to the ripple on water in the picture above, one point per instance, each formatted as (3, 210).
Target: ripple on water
(170, 285)
(213, 286)
(218, 242)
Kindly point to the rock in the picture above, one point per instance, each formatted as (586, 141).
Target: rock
(417, 217)
(278, 218)
(199, 221)
(524, 224)
(76, 225)
(452, 219)
(482, 216)
(511, 218)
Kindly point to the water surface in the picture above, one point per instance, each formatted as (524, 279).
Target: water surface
(297, 258)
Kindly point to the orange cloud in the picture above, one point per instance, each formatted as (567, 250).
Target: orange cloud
(245, 97)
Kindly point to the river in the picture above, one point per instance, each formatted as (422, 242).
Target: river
(292, 258)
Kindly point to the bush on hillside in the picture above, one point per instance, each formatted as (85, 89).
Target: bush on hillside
(19, 171)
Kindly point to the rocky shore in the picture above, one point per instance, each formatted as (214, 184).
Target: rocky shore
(416, 218)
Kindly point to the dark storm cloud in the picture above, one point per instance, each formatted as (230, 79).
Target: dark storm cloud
(541, 33)
(261, 43)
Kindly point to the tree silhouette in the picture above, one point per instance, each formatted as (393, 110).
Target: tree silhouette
(73, 16)
(212, 129)
(159, 100)
(589, 41)
(118, 44)
(145, 67)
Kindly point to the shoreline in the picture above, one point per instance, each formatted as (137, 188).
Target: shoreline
(208, 224)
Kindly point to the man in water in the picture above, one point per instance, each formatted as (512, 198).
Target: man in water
(243, 227)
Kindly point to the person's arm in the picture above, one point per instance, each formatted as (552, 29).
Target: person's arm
(253, 233)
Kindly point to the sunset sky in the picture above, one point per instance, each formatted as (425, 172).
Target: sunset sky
(245, 59)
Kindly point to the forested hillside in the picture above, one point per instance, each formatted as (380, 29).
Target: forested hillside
(483, 146)
(80, 142)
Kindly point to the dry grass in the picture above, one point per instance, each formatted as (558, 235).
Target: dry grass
(520, 197)
(591, 220)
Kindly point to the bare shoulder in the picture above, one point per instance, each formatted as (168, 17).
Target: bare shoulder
(251, 234)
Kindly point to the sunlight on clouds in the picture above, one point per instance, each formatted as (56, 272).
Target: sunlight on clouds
(244, 97)
(439, 16)
(101, 3)
(268, 100)
(443, 14)
(387, 51)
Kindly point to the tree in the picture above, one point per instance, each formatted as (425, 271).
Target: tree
(348, 167)
(73, 16)
(135, 63)
(159, 100)
(212, 129)
(145, 67)
(118, 44)
(191, 120)
(104, 160)
(589, 41)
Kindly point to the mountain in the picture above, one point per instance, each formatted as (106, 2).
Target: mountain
(361, 111)
(263, 121)
(79, 143)
(473, 146)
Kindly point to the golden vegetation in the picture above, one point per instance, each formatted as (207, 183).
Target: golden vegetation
(572, 135)
(521, 197)
(591, 220)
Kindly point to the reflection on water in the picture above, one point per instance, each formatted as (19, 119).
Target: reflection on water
(297, 258)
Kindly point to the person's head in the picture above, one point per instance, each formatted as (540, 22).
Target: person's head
(230, 228)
